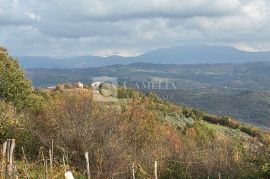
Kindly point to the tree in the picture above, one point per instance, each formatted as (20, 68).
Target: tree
(14, 87)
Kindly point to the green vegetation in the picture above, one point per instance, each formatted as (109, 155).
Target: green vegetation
(13, 86)
(136, 128)
(238, 90)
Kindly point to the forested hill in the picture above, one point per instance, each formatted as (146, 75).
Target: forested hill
(122, 130)
(238, 90)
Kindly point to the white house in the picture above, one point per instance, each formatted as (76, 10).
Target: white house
(79, 84)
(51, 87)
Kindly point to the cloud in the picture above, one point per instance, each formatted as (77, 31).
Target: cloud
(82, 27)
(13, 12)
(104, 10)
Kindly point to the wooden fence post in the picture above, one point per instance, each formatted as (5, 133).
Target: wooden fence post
(51, 162)
(4, 153)
(8, 158)
(87, 164)
(46, 170)
(52, 151)
(156, 174)
(26, 163)
(64, 163)
(133, 171)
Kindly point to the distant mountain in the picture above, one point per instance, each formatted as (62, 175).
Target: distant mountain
(190, 54)
(194, 54)
(73, 62)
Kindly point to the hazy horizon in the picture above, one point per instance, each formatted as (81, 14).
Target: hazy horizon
(135, 55)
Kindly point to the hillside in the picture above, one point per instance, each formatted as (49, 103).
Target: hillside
(135, 128)
(143, 128)
(247, 76)
(189, 54)
(125, 132)
(135, 89)
(248, 106)
(239, 90)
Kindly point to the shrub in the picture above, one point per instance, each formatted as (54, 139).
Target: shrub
(120, 133)
(13, 86)
(233, 123)
(211, 118)
(12, 126)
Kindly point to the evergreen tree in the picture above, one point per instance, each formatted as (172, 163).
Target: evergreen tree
(14, 87)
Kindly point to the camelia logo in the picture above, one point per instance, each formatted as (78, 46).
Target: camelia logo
(105, 89)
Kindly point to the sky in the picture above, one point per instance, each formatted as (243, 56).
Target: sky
(130, 27)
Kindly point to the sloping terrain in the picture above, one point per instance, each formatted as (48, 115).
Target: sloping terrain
(238, 90)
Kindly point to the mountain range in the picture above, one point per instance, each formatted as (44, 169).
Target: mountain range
(189, 54)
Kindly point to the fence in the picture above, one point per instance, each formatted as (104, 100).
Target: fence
(9, 169)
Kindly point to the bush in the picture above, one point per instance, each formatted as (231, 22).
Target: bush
(12, 126)
(249, 130)
(212, 119)
(13, 86)
(116, 135)
(175, 170)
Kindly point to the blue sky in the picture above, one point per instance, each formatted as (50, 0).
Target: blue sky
(130, 27)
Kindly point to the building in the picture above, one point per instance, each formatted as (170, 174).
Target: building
(51, 87)
(78, 84)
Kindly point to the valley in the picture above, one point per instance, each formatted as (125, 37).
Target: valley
(238, 90)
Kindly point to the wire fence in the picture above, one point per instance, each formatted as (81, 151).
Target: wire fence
(49, 165)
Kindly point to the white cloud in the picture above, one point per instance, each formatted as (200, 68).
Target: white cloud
(121, 52)
(258, 9)
(124, 10)
(14, 12)
(81, 27)
(245, 47)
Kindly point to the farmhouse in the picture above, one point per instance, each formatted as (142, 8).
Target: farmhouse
(78, 84)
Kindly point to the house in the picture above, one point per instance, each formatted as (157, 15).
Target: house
(51, 87)
(78, 84)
